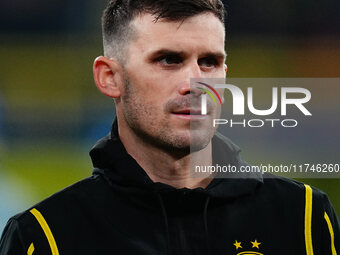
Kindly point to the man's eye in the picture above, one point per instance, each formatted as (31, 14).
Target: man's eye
(208, 62)
(169, 60)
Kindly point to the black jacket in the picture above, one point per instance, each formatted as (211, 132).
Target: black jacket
(120, 210)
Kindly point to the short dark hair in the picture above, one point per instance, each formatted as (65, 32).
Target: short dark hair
(119, 13)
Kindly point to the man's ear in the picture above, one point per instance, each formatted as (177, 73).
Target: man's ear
(108, 76)
(225, 68)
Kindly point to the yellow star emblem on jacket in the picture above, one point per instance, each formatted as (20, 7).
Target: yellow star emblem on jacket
(237, 244)
(252, 244)
(255, 244)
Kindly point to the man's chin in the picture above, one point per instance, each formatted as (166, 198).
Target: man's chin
(199, 139)
(184, 145)
(191, 140)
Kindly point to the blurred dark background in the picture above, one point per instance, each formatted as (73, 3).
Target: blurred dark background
(51, 113)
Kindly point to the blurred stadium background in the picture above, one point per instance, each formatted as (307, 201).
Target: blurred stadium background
(51, 113)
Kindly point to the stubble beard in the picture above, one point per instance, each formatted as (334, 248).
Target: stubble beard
(156, 130)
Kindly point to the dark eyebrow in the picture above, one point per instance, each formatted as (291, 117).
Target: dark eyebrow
(161, 52)
(217, 55)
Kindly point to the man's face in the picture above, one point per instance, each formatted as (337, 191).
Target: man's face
(157, 99)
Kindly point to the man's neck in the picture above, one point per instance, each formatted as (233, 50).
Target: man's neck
(162, 166)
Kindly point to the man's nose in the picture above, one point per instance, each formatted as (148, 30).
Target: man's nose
(190, 72)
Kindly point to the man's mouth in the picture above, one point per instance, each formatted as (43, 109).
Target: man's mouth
(187, 112)
(189, 115)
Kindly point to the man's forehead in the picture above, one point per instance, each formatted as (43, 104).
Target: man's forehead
(147, 21)
(201, 30)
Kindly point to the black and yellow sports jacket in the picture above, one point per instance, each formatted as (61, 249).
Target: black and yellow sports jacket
(119, 210)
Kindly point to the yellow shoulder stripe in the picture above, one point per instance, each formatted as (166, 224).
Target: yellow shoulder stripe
(308, 220)
(30, 249)
(46, 230)
(331, 232)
